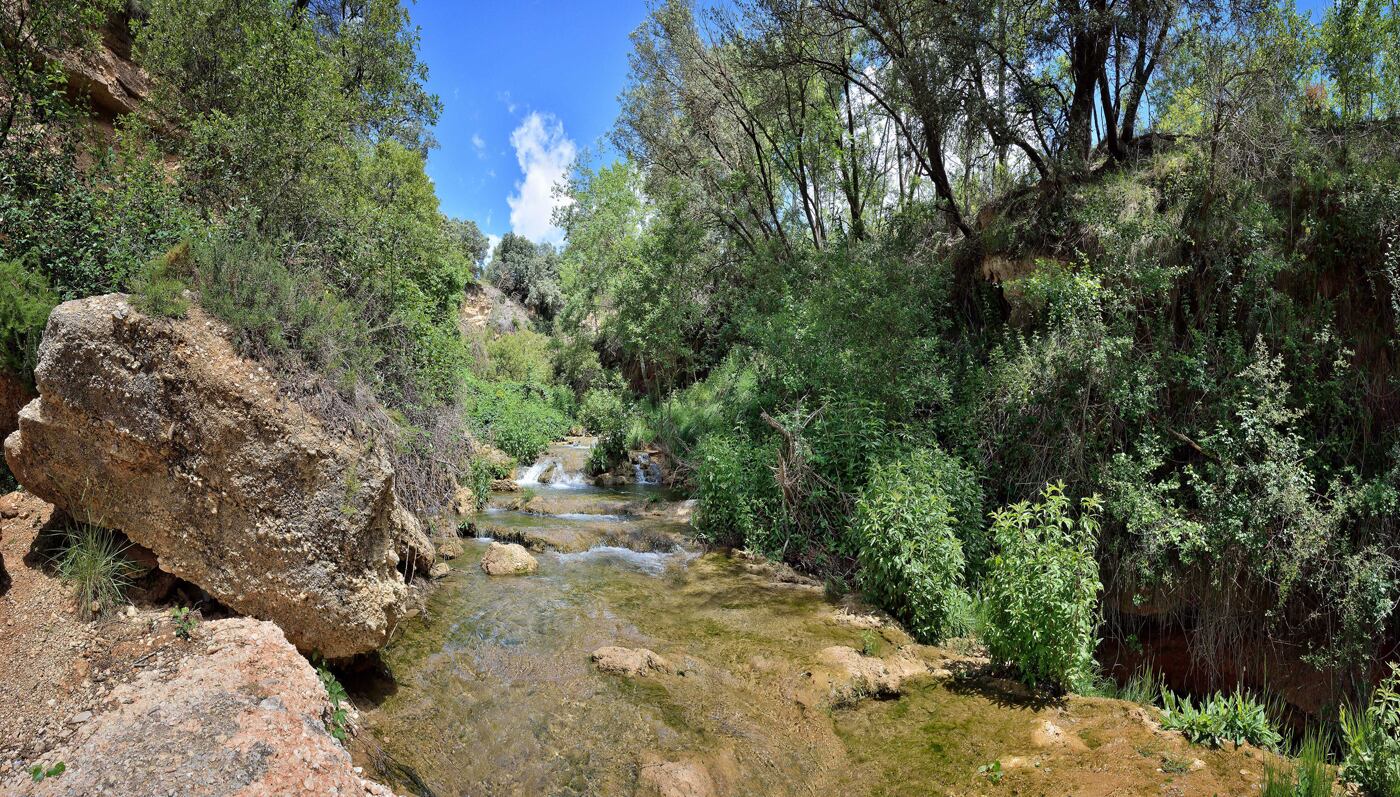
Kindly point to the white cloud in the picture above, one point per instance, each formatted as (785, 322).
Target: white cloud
(491, 242)
(545, 155)
(479, 144)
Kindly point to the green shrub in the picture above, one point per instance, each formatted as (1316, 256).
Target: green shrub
(1236, 718)
(1041, 588)
(338, 722)
(733, 484)
(94, 560)
(274, 312)
(522, 356)
(603, 413)
(519, 419)
(911, 561)
(482, 473)
(156, 290)
(1372, 741)
(25, 303)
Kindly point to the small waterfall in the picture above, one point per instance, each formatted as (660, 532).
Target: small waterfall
(532, 474)
(646, 472)
(551, 471)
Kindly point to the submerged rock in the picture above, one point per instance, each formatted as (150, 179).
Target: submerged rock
(674, 779)
(158, 428)
(630, 662)
(845, 675)
(245, 715)
(508, 559)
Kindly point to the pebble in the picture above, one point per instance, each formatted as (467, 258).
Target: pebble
(81, 717)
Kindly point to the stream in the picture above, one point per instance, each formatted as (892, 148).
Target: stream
(494, 691)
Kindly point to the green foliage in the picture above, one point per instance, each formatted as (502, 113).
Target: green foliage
(1308, 776)
(522, 356)
(518, 418)
(604, 413)
(186, 621)
(1371, 737)
(1143, 687)
(337, 722)
(25, 302)
(529, 272)
(911, 559)
(38, 773)
(1236, 718)
(732, 486)
(482, 472)
(93, 560)
(157, 291)
(1041, 588)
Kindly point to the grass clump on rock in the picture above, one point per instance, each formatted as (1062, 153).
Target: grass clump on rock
(94, 561)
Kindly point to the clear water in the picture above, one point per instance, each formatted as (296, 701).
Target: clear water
(494, 691)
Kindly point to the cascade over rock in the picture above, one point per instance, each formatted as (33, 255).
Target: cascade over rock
(158, 428)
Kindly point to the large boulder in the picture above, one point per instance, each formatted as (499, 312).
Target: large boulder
(242, 715)
(508, 560)
(157, 427)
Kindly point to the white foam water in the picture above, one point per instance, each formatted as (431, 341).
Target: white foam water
(653, 562)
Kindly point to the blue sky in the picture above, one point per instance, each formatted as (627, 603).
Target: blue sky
(535, 80)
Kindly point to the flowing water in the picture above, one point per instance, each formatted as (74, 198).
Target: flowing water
(494, 691)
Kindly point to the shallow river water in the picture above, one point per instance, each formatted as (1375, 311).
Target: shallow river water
(495, 692)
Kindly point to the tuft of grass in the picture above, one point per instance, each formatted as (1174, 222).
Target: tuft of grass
(94, 560)
(1143, 687)
(1309, 776)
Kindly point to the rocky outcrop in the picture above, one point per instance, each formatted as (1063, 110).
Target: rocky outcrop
(158, 428)
(106, 74)
(630, 662)
(508, 560)
(245, 715)
(486, 309)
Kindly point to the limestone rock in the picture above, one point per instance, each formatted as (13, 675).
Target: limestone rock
(845, 674)
(485, 310)
(1047, 735)
(439, 570)
(508, 559)
(246, 717)
(630, 662)
(158, 428)
(449, 549)
(675, 779)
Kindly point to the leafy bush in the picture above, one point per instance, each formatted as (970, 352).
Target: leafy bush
(1041, 589)
(522, 356)
(1372, 741)
(94, 560)
(603, 413)
(25, 303)
(1236, 718)
(276, 313)
(338, 722)
(911, 560)
(733, 484)
(518, 418)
